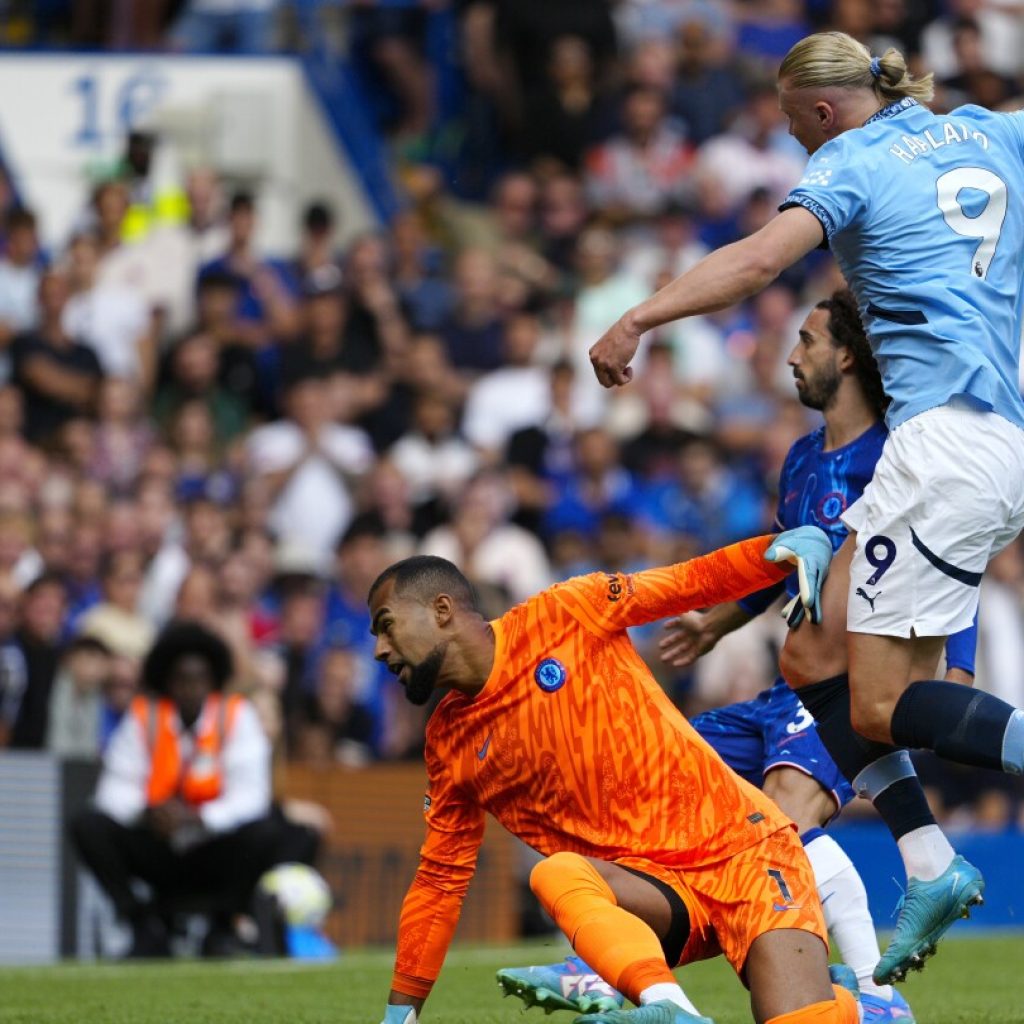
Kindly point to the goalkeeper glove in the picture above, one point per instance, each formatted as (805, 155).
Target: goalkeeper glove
(811, 550)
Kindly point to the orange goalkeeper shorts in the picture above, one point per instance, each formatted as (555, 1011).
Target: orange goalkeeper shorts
(767, 886)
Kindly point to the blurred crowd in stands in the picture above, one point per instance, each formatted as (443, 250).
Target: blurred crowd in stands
(190, 428)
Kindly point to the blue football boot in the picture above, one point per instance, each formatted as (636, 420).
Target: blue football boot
(845, 977)
(927, 910)
(570, 985)
(662, 1012)
(883, 1011)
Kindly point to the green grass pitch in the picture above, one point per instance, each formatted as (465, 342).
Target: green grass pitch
(971, 981)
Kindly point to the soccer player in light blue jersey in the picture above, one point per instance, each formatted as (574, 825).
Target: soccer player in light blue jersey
(925, 215)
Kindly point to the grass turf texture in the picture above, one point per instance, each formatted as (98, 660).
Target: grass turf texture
(969, 982)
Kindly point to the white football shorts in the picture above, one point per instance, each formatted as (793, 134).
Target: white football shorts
(947, 494)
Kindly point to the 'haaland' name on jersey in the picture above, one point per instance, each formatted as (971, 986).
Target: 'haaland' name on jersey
(926, 143)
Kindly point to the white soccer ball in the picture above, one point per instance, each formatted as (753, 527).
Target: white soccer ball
(303, 895)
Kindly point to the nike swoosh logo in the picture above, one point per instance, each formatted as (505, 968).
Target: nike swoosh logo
(828, 897)
(482, 752)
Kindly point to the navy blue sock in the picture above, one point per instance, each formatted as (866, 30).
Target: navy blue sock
(898, 797)
(957, 722)
(904, 807)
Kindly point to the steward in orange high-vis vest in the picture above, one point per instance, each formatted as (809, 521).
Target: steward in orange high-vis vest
(183, 800)
(200, 777)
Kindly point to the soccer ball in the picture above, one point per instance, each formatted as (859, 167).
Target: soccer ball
(302, 894)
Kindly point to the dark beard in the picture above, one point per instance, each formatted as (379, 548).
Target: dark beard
(822, 392)
(423, 677)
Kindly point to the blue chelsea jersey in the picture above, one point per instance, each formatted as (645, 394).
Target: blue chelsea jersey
(816, 486)
(925, 216)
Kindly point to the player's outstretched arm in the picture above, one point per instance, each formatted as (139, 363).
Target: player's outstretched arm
(433, 903)
(608, 603)
(722, 279)
(431, 908)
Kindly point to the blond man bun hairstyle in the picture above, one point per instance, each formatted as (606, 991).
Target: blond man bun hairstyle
(836, 59)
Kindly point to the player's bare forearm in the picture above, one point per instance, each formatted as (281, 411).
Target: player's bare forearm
(691, 635)
(722, 279)
(732, 273)
(722, 619)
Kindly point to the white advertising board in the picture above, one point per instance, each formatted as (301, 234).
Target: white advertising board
(62, 116)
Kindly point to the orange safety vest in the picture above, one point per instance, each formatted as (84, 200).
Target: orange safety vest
(201, 777)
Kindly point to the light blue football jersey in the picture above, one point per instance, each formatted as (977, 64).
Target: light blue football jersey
(925, 215)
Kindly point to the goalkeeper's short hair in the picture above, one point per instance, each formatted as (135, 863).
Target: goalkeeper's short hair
(426, 576)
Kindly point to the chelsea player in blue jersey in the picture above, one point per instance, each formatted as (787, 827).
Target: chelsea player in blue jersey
(772, 741)
(925, 215)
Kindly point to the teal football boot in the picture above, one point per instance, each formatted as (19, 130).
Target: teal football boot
(662, 1012)
(570, 985)
(927, 911)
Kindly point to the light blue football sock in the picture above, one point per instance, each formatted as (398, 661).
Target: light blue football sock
(1013, 744)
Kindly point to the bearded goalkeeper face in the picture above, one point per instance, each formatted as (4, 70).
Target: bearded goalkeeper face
(410, 640)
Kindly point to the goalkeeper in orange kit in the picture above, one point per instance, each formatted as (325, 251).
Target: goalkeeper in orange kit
(656, 854)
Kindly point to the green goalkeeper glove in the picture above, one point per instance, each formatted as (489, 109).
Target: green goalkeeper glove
(811, 550)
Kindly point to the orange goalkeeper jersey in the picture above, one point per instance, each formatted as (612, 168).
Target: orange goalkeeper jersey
(572, 745)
